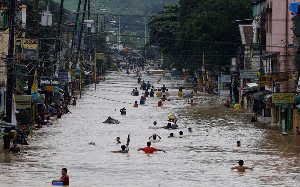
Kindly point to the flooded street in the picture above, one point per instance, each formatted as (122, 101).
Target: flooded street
(202, 158)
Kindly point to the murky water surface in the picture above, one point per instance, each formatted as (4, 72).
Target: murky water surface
(202, 158)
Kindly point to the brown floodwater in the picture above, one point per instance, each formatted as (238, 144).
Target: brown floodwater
(201, 158)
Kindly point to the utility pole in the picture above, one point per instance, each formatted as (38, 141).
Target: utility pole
(203, 71)
(79, 42)
(75, 27)
(89, 9)
(145, 39)
(119, 33)
(286, 33)
(58, 41)
(11, 79)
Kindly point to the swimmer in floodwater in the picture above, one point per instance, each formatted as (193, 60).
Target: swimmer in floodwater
(241, 167)
(160, 103)
(118, 140)
(171, 135)
(180, 134)
(238, 143)
(123, 111)
(64, 177)
(124, 149)
(155, 138)
(136, 105)
(152, 93)
(149, 149)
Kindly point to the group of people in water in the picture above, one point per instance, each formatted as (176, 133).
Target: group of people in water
(148, 91)
(171, 124)
(154, 138)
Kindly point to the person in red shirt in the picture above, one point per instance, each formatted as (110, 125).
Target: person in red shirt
(64, 176)
(149, 149)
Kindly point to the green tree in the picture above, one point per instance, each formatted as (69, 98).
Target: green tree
(197, 26)
(163, 32)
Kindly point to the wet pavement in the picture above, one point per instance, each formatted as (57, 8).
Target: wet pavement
(201, 158)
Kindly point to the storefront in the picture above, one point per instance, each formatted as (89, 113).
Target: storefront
(283, 104)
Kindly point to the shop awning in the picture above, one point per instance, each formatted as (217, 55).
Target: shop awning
(251, 85)
(294, 7)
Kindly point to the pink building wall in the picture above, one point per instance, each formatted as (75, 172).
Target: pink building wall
(276, 37)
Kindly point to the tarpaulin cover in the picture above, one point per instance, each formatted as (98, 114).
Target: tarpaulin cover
(294, 7)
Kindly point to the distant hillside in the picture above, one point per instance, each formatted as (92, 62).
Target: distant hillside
(131, 7)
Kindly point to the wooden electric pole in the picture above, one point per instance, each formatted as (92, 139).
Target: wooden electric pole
(11, 77)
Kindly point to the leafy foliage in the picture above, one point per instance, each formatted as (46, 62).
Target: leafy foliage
(200, 26)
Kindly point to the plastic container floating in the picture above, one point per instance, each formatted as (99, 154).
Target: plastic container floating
(57, 183)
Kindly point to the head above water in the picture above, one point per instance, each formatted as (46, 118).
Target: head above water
(123, 147)
(190, 129)
(180, 133)
(171, 134)
(64, 171)
(155, 123)
(241, 162)
(238, 143)
(148, 144)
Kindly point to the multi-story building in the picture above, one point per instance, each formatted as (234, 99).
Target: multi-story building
(280, 59)
(3, 51)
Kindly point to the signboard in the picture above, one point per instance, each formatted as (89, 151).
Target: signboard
(30, 44)
(23, 101)
(283, 98)
(225, 78)
(244, 74)
(63, 76)
(224, 93)
(100, 56)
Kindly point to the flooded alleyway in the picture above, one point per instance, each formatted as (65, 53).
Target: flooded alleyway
(201, 158)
